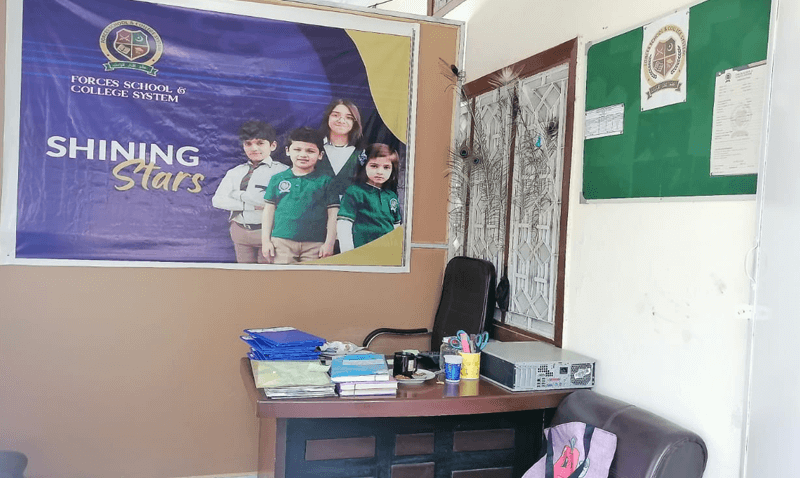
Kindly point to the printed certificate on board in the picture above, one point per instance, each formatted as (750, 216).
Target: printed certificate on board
(663, 73)
(738, 114)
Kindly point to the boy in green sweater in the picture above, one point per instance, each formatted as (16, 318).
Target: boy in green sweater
(299, 218)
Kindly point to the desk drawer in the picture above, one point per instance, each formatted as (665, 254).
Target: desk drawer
(498, 445)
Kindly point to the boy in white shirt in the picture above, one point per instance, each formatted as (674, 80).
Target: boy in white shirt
(241, 191)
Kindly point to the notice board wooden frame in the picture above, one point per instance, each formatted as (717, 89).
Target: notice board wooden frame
(665, 152)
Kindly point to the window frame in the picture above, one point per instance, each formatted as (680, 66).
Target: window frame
(565, 53)
(450, 5)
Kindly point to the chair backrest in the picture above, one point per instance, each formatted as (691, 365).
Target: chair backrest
(467, 298)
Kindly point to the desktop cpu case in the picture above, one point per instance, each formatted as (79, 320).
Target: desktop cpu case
(530, 366)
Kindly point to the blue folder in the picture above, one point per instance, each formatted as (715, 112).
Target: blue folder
(282, 343)
(285, 337)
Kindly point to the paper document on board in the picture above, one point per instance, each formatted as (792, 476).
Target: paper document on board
(736, 125)
(606, 121)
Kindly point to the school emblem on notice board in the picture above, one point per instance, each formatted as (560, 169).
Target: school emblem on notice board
(665, 57)
(131, 45)
(664, 61)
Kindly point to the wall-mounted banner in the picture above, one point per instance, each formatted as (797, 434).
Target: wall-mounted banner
(229, 134)
(663, 74)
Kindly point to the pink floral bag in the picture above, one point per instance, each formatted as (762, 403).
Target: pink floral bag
(575, 450)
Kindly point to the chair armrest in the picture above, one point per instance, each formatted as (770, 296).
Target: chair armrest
(377, 332)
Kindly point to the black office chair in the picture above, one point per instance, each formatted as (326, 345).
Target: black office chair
(467, 300)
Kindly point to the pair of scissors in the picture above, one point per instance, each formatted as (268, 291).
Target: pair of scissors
(461, 341)
(480, 341)
(476, 343)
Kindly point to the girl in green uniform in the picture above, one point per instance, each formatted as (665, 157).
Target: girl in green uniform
(370, 207)
(342, 128)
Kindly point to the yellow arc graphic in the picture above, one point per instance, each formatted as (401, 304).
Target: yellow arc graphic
(384, 251)
(387, 59)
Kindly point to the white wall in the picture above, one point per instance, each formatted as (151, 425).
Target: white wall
(657, 292)
(775, 401)
(417, 7)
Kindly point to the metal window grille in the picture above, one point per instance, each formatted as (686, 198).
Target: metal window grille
(480, 191)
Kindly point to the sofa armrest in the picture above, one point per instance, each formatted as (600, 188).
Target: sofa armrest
(648, 446)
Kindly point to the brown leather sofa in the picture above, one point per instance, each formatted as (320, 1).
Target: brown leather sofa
(12, 464)
(648, 446)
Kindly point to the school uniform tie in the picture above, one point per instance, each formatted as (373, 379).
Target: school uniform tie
(243, 185)
(246, 179)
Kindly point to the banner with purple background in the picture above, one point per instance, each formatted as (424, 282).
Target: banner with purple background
(122, 119)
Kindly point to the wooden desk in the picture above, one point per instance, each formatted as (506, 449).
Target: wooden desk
(433, 430)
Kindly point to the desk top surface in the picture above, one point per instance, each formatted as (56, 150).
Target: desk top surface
(431, 398)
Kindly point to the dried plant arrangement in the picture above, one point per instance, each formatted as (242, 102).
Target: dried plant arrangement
(479, 161)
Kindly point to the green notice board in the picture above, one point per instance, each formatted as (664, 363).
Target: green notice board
(665, 152)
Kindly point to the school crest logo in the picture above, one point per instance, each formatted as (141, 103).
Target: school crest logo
(284, 186)
(131, 45)
(664, 60)
(393, 204)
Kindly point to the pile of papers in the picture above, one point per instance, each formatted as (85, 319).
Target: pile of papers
(282, 343)
(292, 379)
(285, 363)
(362, 374)
(329, 350)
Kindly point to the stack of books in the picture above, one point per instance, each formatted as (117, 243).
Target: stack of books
(362, 374)
(285, 363)
(282, 343)
(358, 389)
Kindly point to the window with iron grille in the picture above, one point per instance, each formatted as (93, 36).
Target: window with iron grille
(510, 184)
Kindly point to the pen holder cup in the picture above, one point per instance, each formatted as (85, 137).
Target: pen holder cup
(471, 365)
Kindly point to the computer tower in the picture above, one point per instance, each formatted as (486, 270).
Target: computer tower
(528, 366)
